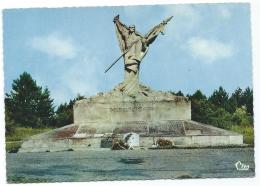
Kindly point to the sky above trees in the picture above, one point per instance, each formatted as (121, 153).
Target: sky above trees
(67, 49)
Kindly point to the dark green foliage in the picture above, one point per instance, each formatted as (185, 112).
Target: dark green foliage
(200, 107)
(219, 117)
(29, 105)
(219, 98)
(240, 99)
(64, 113)
(9, 123)
(198, 96)
(179, 93)
(221, 110)
(247, 100)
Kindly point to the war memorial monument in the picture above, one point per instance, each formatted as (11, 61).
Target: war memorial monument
(132, 111)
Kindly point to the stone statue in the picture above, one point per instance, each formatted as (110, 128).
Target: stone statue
(134, 47)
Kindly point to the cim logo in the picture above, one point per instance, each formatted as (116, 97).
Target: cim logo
(241, 166)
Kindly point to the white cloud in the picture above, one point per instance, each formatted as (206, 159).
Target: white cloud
(209, 50)
(54, 45)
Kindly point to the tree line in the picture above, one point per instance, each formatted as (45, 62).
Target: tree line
(30, 105)
(222, 110)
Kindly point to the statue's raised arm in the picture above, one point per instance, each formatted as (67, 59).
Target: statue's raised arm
(120, 26)
(154, 32)
(121, 33)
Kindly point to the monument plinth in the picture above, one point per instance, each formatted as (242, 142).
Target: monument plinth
(116, 111)
(131, 108)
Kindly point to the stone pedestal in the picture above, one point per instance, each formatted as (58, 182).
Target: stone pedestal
(119, 112)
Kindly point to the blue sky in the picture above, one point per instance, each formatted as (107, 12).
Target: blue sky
(67, 49)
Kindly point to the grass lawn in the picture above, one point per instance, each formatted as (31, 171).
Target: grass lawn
(15, 179)
(14, 140)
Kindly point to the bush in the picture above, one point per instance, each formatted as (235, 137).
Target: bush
(247, 131)
(242, 118)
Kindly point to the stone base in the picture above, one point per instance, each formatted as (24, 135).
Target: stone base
(150, 114)
(181, 133)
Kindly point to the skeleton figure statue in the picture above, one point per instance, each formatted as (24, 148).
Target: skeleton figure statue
(134, 47)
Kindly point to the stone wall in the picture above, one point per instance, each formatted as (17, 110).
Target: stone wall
(94, 143)
(103, 116)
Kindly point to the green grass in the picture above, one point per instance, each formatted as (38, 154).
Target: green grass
(22, 133)
(15, 179)
(14, 140)
(12, 146)
(247, 131)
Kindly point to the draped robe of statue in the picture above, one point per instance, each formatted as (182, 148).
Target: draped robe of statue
(134, 46)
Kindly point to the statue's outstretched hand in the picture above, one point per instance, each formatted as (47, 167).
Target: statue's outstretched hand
(116, 18)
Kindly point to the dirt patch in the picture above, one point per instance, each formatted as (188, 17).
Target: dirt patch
(66, 132)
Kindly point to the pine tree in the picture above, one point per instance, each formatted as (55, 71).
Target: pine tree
(247, 100)
(200, 108)
(64, 113)
(219, 98)
(28, 104)
(235, 100)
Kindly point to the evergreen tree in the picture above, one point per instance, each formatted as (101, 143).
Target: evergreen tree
(28, 104)
(235, 100)
(198, 95)
(219, 98)
(200, 107)
(45, 108)
(241, 98)
(179, 93)
(64, 113)
(9, 123)
(247, 100)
